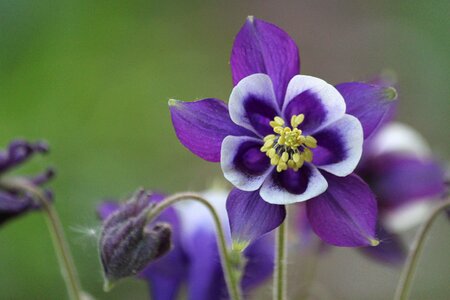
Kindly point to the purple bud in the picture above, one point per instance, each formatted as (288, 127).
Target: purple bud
(127, 243)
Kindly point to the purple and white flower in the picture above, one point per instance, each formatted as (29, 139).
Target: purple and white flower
(287, 138)
(408, 181)
(194, 259)
(14, 203)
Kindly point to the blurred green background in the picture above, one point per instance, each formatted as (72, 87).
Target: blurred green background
(93, 79)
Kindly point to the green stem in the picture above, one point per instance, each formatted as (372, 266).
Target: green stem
(66, 264)
(279, 279)
(227, 266)
(404, 285)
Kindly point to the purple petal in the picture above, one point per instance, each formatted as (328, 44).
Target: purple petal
(252, 104)
(242, 162)
(166, 274)
(12, 206)
(205, 278)
(163, 287)
(106, 208)
(202, 125)
(319, 101)
(345, 215)
(250, 216)
(261, 47)
(390, 251)
(339, 146)
(290, 187)
(259, 256)
(302, 226)
(18, 152)
(371, 104)
(398, 178)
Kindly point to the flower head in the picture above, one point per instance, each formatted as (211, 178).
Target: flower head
(14, 203)
(408, 181)
(287, 138)
(127, 244)
(194, 259)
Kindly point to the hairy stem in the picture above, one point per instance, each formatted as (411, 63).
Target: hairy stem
(279, 279)
(406, 278)
(227, 265)
(65, 260)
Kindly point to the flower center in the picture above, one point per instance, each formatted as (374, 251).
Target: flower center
(288, 148)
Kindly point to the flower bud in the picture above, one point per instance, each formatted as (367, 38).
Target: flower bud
(127, 243)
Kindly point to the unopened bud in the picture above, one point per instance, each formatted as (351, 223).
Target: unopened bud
(127, 243)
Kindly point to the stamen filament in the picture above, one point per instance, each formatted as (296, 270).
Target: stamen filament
(288, 147)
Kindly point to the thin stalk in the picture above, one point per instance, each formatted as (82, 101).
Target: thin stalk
(407, 276)
(279, 279)
(66, 264)
(231, 280)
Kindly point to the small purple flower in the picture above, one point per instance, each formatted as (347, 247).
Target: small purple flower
(14, 203)
(194, 259)
(287, 138)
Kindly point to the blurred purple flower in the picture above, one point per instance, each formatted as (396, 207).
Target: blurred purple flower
(14, 203)
(408, 182)
(287, 138)
(194, 259)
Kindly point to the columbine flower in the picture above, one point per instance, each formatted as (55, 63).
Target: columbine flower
(408, 182)
(14, 203)
(287, 138)
(127, 244)
(194, 259)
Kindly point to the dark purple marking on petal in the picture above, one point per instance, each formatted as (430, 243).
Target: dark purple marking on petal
(249, 158)
(260, 114)
(399, 178)
(390, 251)
(250, 216)
(290, 187)
(345, 215)
(329, 148)
(372, 104)
(202, 125)
(261, 47)
(307, 103)
(339, 146)
(242, 162)
(252, 104)
(293, 182)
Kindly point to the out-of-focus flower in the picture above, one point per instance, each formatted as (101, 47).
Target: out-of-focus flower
(286, 138)
(14, 203)
(127, 243)
(408, 182)
(194, 259)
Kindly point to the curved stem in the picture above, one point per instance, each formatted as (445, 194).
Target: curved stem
(279, 279)
(230, 278)
(66, 264)
(404, 285)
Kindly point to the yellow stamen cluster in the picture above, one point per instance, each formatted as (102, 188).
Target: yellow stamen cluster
(287, 147)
